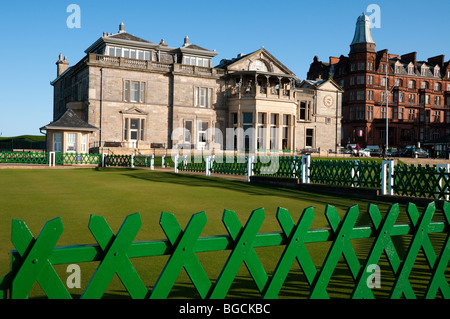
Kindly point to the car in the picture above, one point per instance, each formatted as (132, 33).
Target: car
(365, 153)
(415, 153)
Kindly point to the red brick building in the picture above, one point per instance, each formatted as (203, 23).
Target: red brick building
(418, 93)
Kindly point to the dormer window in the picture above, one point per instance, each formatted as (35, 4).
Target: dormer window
(128, 53)
(411, 69)
(192, 60)
(398, 67)
(437, 71)
(423, 70)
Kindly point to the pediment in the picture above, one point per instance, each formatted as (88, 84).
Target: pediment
(259, 61)
(134, 111)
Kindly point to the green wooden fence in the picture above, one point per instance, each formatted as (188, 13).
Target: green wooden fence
(77, 158)
(35, 257)
(422, 181)
(11, 157)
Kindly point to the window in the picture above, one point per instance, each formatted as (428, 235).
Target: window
(411, 70)
(437, 116)
(360, 112)
(360, 79)
(398, 82)
(411, 114)
(285, 132)
(304, 111)
(360, 95)
(400, 113)
(134, 91)
(369, 113)
(411, 84)
(383, 112)
(361, 66)
(202, 97)
(190, 60)
(202, 132)
(273, 131)
(411, 98)
(437, 86)
(57, 142)
(187, 138)
(309, 137)
(342, 83)
(234, 118)
(352, 80)
(128, 53)
(370, 95)
(437, 71)
(84, 143)
(370, 66)
(133, 129)
(436, 134)
(261, 130)
(423, 71)
(71, 142)
(370, 79)
(383, 81)
(437, 100)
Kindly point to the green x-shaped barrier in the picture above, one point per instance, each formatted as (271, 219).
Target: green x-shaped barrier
(115, 260)
(438, 280)
(402, 286)
(243, 251)
(182, 256)
(295, 249)
(35, 260)
(382, 242)
(341, 245)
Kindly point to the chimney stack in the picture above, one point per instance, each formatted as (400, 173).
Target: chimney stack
(62, 65)
(121, 28)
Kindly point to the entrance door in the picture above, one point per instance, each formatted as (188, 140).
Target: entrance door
(134, 132)
(202, 135)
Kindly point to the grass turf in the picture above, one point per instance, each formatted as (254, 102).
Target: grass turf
(37, 196)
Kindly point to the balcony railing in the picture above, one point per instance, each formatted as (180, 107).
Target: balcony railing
(152, 65)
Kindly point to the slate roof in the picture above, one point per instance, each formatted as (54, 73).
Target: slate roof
(127, 36)
(69, 121)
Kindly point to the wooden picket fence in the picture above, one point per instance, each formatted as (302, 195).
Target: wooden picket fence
(35, 257)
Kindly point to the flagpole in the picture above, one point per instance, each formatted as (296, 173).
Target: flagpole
(387, 102)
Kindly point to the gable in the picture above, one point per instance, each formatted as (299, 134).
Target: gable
(259, 61)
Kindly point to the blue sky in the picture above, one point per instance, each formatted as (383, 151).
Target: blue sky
(35, 32)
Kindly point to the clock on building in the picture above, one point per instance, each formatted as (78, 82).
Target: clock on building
(328, 100)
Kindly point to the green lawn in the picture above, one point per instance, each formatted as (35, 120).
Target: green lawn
(36, 196)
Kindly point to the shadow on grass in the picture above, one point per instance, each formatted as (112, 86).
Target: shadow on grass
(247, 188)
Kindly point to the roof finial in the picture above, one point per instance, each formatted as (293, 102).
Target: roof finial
(186, 41)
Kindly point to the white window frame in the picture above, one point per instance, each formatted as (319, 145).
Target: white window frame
(71, 142)
(203, 97)
(129, 91)
(84, 141)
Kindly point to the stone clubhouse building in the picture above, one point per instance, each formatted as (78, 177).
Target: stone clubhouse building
(129, 95)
